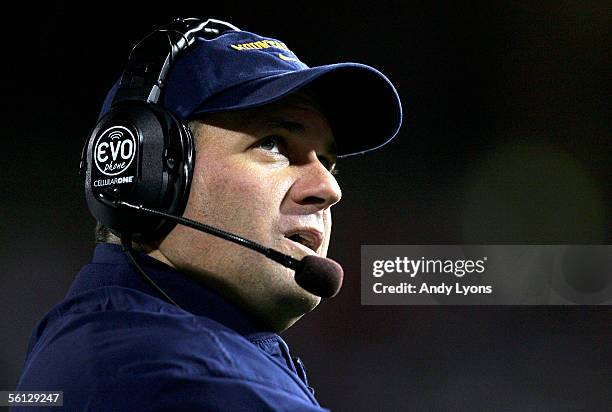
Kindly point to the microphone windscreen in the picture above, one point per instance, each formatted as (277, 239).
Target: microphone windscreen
(320, 276)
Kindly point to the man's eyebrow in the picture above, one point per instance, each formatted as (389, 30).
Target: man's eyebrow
(292, 126)
(289, 125)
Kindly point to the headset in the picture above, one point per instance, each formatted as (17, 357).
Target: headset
(139, 152)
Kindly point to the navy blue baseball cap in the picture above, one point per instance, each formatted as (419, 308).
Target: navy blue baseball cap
(240, 70)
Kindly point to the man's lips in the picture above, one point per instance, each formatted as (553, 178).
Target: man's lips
(309, 237)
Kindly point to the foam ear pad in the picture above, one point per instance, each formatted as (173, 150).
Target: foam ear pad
(139, 153)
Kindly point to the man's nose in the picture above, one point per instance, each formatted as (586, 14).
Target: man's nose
(315, 187)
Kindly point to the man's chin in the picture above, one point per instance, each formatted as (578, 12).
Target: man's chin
(279, 324)
(287, 308)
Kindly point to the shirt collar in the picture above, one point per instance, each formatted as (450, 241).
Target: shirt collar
(111, 267)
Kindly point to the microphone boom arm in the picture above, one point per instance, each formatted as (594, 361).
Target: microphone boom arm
(270, 253)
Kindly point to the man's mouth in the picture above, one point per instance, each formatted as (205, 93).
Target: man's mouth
(312, 239)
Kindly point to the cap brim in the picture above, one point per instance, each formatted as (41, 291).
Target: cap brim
(360, 103)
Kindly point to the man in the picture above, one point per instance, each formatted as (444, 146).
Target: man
(199, 330)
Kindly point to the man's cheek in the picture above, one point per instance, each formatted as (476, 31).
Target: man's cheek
(237, 198)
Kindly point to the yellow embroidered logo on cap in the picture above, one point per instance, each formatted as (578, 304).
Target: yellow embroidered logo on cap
(266, 44)
(262, 44)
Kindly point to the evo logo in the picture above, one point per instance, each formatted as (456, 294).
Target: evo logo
(114, 150)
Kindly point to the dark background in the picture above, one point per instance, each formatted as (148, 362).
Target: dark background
(506, 139)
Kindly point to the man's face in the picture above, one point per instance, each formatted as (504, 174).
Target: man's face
(264, 174)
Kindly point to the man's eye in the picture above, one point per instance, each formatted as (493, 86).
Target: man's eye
(270, 144)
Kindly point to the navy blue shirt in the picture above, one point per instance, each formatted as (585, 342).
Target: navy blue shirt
(114, 344)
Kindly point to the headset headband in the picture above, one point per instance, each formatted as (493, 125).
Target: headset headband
(151, 58)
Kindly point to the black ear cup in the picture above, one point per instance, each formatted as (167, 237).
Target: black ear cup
(139, 153)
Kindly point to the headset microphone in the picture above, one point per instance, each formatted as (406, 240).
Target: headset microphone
(319, 276)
